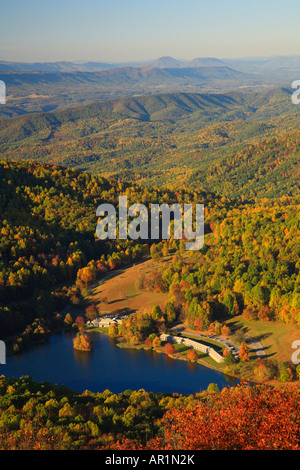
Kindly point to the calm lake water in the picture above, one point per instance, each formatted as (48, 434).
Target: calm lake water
(110, 367)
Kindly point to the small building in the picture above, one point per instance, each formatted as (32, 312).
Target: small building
(103, 322)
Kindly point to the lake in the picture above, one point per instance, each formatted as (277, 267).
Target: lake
(110, 367)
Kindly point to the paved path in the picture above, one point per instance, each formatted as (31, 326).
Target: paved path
(259, 348)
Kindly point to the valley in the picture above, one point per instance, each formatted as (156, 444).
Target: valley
(234, 150)
(149, 229)
(230, 144)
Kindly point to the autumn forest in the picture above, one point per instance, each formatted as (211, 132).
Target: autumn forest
(235, 151)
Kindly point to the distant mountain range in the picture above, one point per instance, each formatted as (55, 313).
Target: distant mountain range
(172, 138)
(143, 76)
(247, 64)
(37, 91)
(49, 86)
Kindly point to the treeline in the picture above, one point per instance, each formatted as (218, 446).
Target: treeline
(41, 416)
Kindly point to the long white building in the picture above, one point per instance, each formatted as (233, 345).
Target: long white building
(194, 344)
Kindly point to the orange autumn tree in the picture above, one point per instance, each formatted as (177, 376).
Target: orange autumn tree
(240, 418)
(192, 355)
(237, 418)
(244, 352)
(82, 342)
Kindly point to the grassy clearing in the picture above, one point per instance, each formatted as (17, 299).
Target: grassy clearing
(276, 338)
(181, 348)
(99, 329)
(121, 291)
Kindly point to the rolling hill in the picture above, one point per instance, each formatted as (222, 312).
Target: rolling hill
(51, 86)
(170, 139)
(124, 76)
(170, 107)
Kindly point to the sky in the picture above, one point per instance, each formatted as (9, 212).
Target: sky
(135, 30)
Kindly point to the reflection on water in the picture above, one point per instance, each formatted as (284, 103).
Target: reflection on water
(192, 366)
(110, 367)
(82, 357)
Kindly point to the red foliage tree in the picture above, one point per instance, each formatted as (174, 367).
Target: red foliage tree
(192, 355)
(241, 418)
(169, 348)
(80, 322)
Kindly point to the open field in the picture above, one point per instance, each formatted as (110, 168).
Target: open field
(120, 290)
(276, 338)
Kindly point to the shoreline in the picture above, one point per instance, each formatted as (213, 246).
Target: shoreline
(122, 344)
(176, 356)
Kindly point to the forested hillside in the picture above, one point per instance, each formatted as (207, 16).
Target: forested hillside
(249, 265)
(149, 229)
(50, 253)
(47, 417)
(232, 144)
(48, 240)
(268, 168)
(247, 268)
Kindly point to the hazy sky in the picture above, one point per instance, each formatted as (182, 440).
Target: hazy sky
(128, 30)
